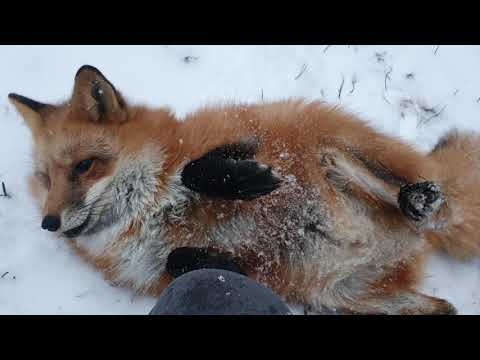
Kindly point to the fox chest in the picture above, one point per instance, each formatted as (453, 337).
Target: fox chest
(281, 228)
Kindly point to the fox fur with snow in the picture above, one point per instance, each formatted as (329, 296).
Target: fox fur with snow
(306, 198)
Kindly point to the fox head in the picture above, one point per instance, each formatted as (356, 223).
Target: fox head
(82, 175)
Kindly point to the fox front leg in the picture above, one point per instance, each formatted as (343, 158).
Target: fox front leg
(230, 172)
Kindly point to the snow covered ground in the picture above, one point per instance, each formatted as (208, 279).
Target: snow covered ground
(414, 92)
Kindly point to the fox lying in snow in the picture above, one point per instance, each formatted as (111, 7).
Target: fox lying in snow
(307, 199)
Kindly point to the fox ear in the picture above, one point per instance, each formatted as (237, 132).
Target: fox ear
(30, 110)
(95, 94)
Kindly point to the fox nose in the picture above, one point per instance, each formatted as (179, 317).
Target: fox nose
(51, 223)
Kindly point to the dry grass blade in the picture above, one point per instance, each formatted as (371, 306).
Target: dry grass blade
(354, 81)
(387, 77)
(4, 190)
(304, 67)
(436, 114)
(341, 87)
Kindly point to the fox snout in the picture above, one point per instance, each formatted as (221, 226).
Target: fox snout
(51, 222)
(55, 205)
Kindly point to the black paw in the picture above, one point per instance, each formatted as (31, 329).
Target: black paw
(186, 259)
(226, 174)
(421, 200)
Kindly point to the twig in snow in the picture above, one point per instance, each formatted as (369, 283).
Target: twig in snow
(304, 67)
(387, 76)
(4, 274)
(341, 87)
(82, 294)
(437, 114)
(386, 100)
(427, 109)
(354, 81)
(262, 95)
(4, 190)
(380, 56)
(436, 49)
(326, 48)
(189, 59)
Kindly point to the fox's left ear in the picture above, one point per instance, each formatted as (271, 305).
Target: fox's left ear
(95, 94)
(32, 111)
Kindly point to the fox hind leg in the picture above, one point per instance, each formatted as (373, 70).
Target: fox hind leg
(391, 295)
(376, 185)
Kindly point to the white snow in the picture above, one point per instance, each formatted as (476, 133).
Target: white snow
(407, 91)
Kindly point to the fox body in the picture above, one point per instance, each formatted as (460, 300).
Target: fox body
(345, 225)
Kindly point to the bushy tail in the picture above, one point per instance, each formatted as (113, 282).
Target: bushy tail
(458, 156)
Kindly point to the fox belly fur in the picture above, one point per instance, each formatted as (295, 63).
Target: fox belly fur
(333, 234)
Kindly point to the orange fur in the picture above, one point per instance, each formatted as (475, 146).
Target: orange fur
(459, 158)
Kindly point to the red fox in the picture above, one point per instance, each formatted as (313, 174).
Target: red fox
(306, 198)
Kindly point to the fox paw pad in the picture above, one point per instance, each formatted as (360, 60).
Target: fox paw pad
(421, 200)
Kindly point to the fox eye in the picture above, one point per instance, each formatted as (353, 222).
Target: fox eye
(82, 167)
